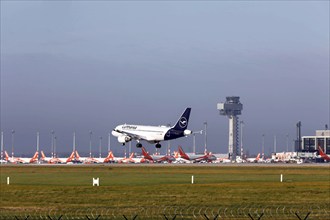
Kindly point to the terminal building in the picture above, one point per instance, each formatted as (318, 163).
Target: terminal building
(311, 143)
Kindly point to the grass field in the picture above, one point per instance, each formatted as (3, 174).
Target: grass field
(126, 190)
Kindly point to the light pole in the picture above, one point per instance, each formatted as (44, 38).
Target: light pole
(109, 140)
(275, 144)
(12, 142)
(100, 154)
(287, 142)
(90, 143)
(263, 146)
(194, 139)
(52, 143)
(38, 146)
(205, 130)
(1, 147)
(55, 146)
(168, 144)
(241, 125)
(74, 142)
(168, 147)
(129, 148)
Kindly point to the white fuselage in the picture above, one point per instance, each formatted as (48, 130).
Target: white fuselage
(148, 133)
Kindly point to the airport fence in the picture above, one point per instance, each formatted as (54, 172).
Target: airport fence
(176, 212)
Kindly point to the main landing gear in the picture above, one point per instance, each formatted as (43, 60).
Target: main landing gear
(139, 145)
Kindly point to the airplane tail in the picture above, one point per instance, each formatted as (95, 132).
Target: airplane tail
(323, 155)
(183, 154)
(71, 157)
(35, 157)
(145, 154)
(182, 123)
(258, 157)
(77, 155)
(42, 155)
(321, 151)
(6, 156)
(109, 157)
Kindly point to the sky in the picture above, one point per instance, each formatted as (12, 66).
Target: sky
(76, 66)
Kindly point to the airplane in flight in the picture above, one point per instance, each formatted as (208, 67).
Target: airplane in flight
(196, 157)
(323, 155)
(157, 158)
(153, 134)
(17, 160)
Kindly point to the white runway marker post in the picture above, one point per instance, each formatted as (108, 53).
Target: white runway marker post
(8, 180)
(192, 179)
(281, 178)
(96, 181)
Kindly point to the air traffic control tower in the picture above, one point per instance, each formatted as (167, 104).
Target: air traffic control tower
(232, 108)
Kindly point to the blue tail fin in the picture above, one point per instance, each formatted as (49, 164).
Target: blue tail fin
(182, 123)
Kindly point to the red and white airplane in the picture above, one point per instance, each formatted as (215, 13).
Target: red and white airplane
(323, 155)
(253, 159)
(207, 157)
(54, 160)
(90, 160)
(34, 159)
(157, 158)
(101, 159)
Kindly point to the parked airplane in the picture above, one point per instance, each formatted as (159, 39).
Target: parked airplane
(157, 158)
(130, 159)
(153, 134)
(179, 159)
(323, 155)
(70, 159)
(34, 159)
(86, 160)
(196, 157)
(253, 159)
(102, 159)
(43, 158)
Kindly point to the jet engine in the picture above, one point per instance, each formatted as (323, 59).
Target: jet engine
(187, 132)
(123, 139)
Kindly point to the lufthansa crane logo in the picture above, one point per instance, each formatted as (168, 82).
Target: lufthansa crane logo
(183, 122)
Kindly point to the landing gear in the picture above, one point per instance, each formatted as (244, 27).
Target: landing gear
(138, 145)
(158, 145)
